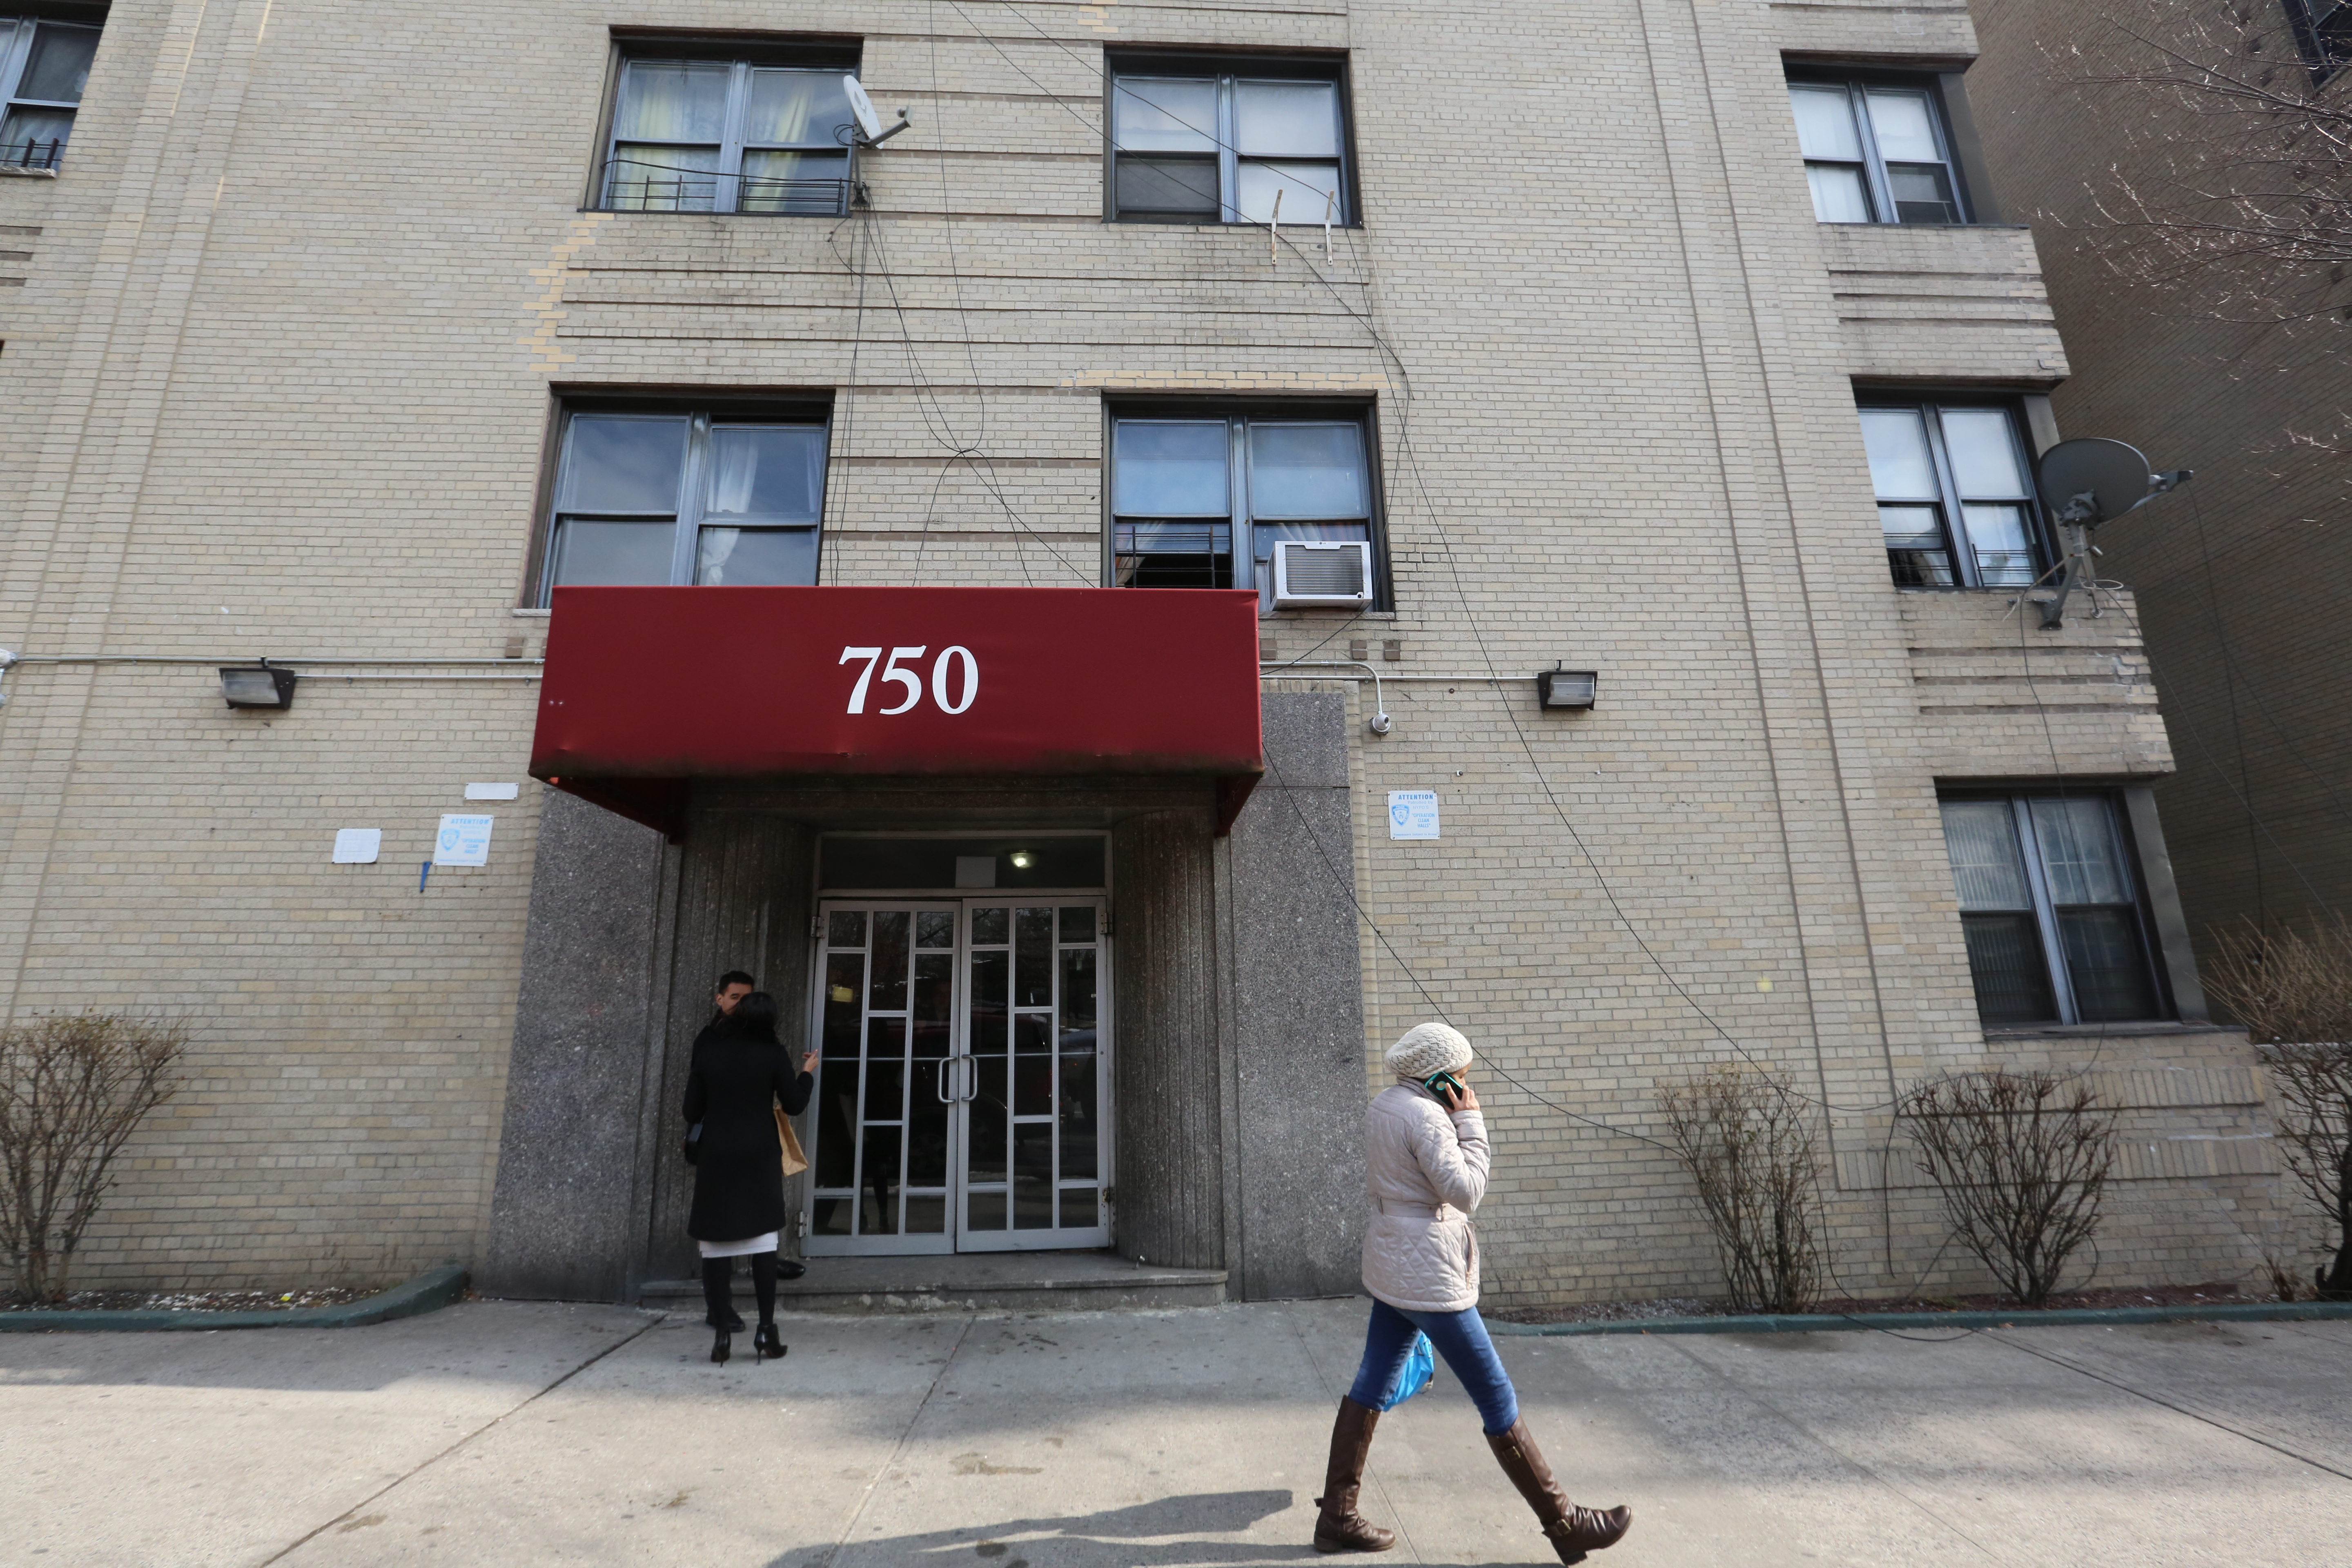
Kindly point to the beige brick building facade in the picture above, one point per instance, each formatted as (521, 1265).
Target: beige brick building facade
(306, 302)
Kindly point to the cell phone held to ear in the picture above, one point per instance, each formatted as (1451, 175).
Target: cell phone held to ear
(1444, 1085)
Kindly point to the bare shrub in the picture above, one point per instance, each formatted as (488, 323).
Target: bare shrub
(2293, 990)
(73, 1086)
(2021, 1160)
(1752, 1151)
(2281, 1274)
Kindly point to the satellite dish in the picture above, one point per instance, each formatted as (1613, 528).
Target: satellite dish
(869, 123)
(2112, 473)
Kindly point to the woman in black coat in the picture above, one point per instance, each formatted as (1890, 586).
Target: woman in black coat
(741, 1071)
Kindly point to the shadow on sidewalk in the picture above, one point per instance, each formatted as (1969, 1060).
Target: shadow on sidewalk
(1000, 1545)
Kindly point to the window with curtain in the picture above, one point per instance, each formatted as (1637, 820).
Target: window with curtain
(1199, 500)
(1956, 501)
(44, 66)
(716, 497)
(2051, 909)
(1218, 145)
(729, 136)
(1876, 151)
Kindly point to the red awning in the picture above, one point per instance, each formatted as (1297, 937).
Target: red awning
(646, 689)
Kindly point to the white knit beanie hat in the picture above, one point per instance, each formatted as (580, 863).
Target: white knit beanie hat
(1429, 1049)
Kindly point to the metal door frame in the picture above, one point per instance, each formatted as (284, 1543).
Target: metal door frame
(1053, 1239)
(897, 1243)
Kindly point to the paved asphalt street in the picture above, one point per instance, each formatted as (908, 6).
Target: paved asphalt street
(499, 1432)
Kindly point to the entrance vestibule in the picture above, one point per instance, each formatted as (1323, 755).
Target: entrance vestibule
(963, 1084)
(747, 796)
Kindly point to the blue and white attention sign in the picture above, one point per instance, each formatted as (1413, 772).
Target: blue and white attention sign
(463, 841)
(1413, 814)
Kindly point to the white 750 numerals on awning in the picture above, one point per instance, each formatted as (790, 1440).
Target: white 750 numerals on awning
(967, 677)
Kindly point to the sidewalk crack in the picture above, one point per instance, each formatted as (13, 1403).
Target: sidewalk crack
(2198, 1416)
(430, 1461)
(1758, 1399)
(865, 1498)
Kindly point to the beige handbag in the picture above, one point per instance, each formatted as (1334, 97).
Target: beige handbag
(794, 1160)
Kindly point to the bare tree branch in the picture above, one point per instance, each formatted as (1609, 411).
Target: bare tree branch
(2293, 990)
(2234, 195)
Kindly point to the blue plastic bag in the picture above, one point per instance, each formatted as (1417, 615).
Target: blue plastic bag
(1419, 1366)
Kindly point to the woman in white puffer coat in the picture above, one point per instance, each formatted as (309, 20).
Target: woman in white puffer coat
(1426, 1158)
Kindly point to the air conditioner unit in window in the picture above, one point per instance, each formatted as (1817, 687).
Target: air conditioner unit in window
(1309, 572)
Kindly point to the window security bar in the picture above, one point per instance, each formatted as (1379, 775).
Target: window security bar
(634, 184)
(33, 154)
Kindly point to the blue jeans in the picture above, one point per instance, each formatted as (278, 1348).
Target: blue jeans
(1460, 1338)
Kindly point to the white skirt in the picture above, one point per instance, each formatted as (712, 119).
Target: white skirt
(743, 1249)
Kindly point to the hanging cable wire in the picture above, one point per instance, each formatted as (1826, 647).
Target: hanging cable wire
(935, 420)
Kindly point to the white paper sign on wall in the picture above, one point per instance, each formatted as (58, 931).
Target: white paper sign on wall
(358, 846)
(463, 841)
(492, 791)
(1413, 814)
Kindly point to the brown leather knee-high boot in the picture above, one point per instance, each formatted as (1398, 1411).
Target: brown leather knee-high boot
(1340, 1528)
(1572, 1531)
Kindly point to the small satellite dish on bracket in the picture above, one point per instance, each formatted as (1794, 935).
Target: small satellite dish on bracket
(2087, 483)
(870, 131)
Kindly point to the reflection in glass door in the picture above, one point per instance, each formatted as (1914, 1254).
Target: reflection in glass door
(1033, 1090)
(963, 1083)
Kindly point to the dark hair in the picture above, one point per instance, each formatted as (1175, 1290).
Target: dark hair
(754, 1018)
(732, 977)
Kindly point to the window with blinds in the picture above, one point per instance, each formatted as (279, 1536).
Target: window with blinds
(2052, 910)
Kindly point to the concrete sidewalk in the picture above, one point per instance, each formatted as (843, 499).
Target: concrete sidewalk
(522, 1433)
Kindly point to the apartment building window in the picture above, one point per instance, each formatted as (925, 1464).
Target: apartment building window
(2323, 33)
(756, 131)
(1216, 142)
(44, 64)
(1876, 151)
(1954, 499)
(723, 496)
(2051, 908)
(1201, 499)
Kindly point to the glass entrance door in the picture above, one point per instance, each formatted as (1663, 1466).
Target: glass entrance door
(962, 1084)
(1034, 1089)
(882, 1139)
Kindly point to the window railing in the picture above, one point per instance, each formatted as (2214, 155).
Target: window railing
(634, 184)
(33, 154)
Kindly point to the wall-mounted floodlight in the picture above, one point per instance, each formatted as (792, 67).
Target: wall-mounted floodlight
(1567, 688)
(2085, 483)
(257, 686)
(1021, 859)
(870, 131)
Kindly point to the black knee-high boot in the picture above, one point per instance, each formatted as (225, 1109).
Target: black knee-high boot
(764, 1283)
(766, 1343)
(718, 1293)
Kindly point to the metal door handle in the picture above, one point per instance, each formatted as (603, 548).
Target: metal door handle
(967, 1085)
